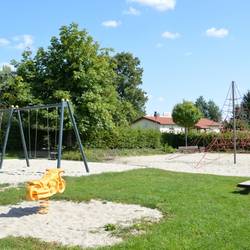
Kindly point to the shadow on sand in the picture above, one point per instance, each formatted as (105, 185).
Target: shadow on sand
(20, 212)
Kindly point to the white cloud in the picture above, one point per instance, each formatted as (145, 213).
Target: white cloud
(111, 23)
(160, 5)
(132, 11)
(4, 42)
(8, 65)
(170, 35)
(159, 45)
(23, 41)
(218, 33)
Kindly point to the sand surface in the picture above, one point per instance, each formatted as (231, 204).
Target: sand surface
(83, 223)
(15, 171)
(209, 163)
(72, 223)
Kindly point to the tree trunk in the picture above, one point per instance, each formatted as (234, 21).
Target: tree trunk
(186, 139)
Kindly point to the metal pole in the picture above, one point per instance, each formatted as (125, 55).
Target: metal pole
(36, 134)
(77, 136)
(6, 136)
(23, 138)
(234, 121)
(29, 136)
(60, 135)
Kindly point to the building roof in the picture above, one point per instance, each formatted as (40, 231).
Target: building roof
(203, 123)
(162, 120)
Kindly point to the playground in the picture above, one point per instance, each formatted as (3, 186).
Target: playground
(96, 210)
(113, 130)
(121, 202)
(15, 171)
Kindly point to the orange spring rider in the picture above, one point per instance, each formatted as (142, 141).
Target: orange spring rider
(40, 190)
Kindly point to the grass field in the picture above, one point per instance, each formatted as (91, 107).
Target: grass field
(201, 211)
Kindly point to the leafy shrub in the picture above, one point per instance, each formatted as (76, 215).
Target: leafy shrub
(194, 138)
(126, 138)
(168, 149)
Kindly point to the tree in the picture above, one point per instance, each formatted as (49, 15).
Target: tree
(202, 105)
(214, 112)
(128, 79)
(208, 109)
(13, 90)
(74, 66)
(186, 115)
(246, 105)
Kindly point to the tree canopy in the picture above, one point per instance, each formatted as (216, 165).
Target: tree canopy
(104, 89)
(128, 80)
(208, 109)
(246, 106)
(186, 115)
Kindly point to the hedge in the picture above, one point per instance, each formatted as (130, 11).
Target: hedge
(126, 138)
(194, 138)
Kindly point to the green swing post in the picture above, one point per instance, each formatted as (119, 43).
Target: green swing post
(77, 136)
(60, 135)
(23, 138)
(6, 136)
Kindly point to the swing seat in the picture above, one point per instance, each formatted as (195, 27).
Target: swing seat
(53, 155)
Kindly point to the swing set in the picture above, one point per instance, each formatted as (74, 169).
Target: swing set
(60, 107)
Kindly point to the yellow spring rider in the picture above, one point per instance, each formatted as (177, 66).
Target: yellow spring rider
(40, 190)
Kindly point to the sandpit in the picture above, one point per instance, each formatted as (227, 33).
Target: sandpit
(71, 223)
(208, 163)
(15, 171)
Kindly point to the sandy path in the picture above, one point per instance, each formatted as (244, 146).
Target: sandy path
(210, 163)
(14, 171)
(72, 223)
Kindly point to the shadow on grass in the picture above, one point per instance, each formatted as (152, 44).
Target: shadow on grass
(243, 191)
(19, 212)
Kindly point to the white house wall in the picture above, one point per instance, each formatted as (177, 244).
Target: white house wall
(153, 125)
(146, 124)
(171, 129)
(143, 123)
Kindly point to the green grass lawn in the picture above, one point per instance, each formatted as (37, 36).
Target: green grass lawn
(201, 211)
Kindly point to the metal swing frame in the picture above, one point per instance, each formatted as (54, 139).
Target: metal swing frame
(61, 106)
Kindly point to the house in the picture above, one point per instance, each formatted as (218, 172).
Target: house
(206, 125)
(166, 124)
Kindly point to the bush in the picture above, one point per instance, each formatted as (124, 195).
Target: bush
(168, 149)
(194, 138)
(126, 138)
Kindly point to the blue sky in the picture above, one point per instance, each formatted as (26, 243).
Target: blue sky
(187, 48)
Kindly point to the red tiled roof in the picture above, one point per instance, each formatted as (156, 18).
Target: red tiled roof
(203, 123)
(160, 119)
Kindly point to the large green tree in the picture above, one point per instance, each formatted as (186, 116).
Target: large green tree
(208, 109)
(75, 66)
(186, 115)
(202, 105)
(245, 106)
(128, 81)
(214, 112)
(13, 90)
